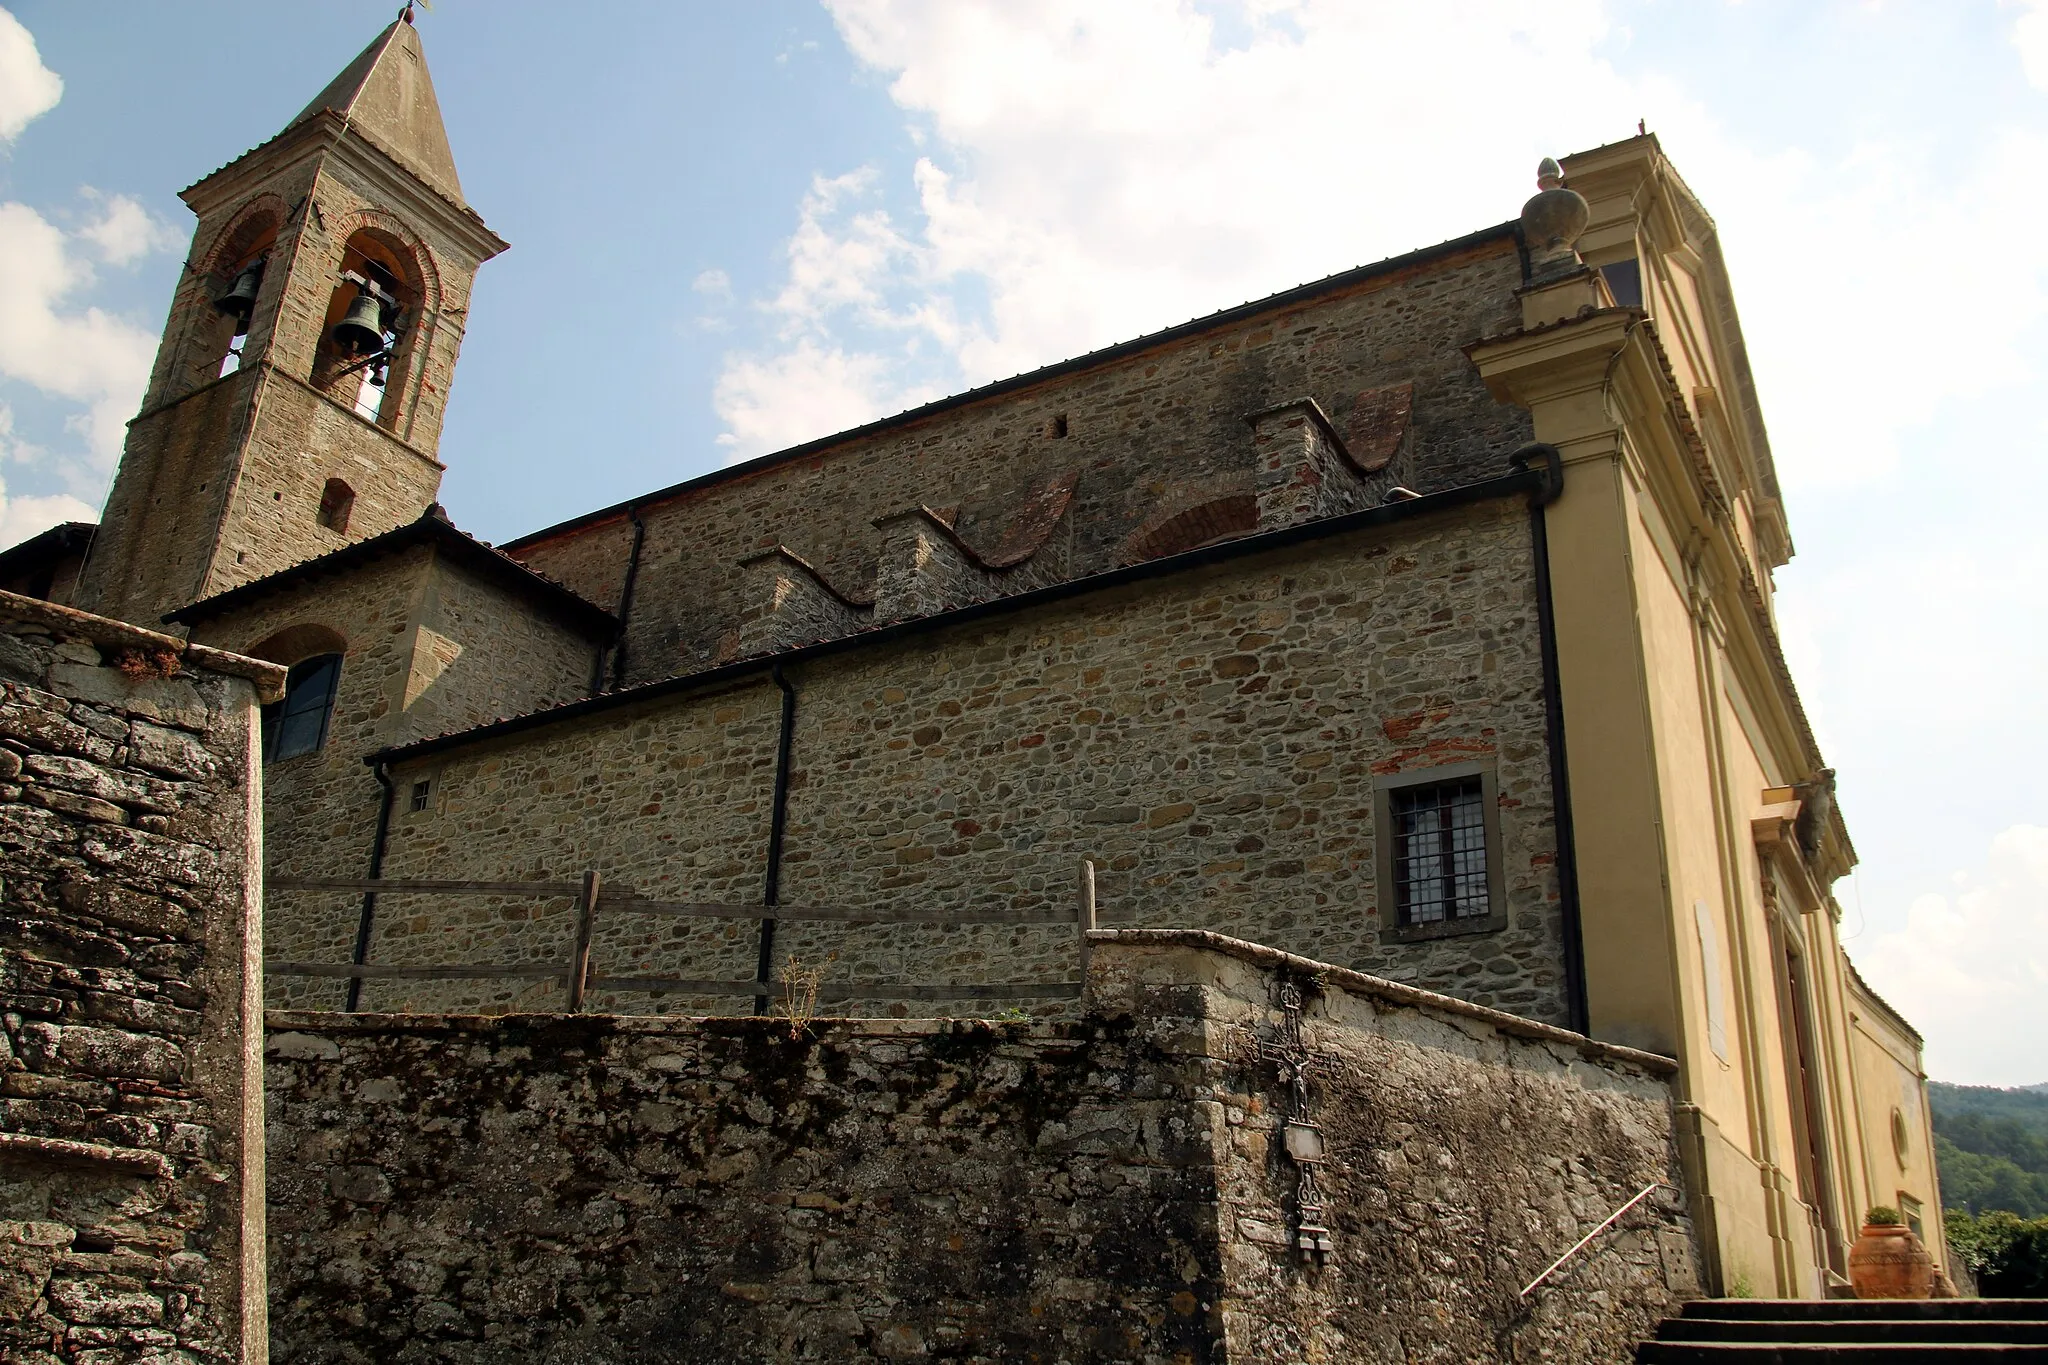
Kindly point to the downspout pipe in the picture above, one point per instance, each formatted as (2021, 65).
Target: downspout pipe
(626, 597)
(778, 823)
(1551, 465)
(369, 916)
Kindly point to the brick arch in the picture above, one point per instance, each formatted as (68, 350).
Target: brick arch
(392, 245)
(306, 640)
(201, 334)
(263, 214)
(395, 236)
(1224, 515)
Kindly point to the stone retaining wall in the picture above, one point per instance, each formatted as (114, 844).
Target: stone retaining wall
(131, 1160)
(589, 1189)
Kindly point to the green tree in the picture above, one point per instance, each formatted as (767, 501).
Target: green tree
(1980, 1183)
(2007, 1253)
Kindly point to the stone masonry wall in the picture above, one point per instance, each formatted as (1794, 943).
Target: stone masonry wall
(594, 1190)
(430, 647)
(1466, 1150)
(304, 439)
(164, 542)
(1141, 430)
(131, 1160)
(1212, 738)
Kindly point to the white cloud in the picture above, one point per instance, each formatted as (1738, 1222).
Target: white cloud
(773, 402)
(22, 517)
(14, 450)
(715, 285)
(1970, 968)
(852, 318)
(83, 354)
(1099, 171)
(125, 231)
(68, 351)
(28, 89)
(2030, 36)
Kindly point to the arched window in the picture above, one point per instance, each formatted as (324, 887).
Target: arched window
(360, 362)
(298, 723)
(337, 500)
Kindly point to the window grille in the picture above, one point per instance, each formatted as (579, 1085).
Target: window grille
(1440, 852)
(422, 795)
(298, 724)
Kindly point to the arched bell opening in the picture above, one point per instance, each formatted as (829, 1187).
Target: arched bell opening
(372, 317)
(232, 285)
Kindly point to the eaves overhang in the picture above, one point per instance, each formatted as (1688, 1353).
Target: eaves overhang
(1861, 989)
(433, 530)
(326, 132)
(38, 551)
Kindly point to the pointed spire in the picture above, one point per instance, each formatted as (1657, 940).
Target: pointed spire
(387, 95)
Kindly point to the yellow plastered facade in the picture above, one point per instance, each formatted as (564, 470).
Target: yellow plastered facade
(1706, 836)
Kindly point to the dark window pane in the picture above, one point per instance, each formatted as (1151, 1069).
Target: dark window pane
(1440, 852)
(1625, 282)
(298, 724)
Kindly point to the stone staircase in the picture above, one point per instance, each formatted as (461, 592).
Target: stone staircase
(1857, 1331)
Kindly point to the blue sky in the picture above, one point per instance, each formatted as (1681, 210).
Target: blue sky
(738, 226)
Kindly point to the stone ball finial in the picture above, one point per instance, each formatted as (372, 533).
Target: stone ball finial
(1554, 218)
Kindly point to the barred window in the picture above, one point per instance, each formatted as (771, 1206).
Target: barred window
(1440, 852)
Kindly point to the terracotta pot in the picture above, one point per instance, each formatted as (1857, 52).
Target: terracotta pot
(1889, 1262)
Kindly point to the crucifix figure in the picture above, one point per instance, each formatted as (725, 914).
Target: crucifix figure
(1296, 1064)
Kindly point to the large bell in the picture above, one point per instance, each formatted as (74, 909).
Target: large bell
(361, 329)
(240, 300)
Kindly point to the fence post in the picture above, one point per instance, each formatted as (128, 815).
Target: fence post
(579, 960)
(1085, 912)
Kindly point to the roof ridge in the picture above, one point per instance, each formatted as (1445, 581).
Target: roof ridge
(432, 523)
(1101, 355)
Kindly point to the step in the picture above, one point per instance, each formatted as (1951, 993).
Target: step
(1849, 1331)
(1821, 1353)
(1791, 1310)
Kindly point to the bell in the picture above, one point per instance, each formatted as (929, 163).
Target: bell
(361, 329)
(240, 300)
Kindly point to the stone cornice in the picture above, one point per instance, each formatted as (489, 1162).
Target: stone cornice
(1381, 989)
(1609, 366)
(70, 623)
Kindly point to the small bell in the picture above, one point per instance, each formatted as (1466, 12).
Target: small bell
(377, 375)
(361, 329)
(240, 300)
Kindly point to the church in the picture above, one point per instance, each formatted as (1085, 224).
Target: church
(1417, 621)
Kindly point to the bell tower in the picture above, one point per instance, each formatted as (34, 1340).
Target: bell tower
(297, 396)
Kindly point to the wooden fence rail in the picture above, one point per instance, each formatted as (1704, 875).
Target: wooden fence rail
(576, 974)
